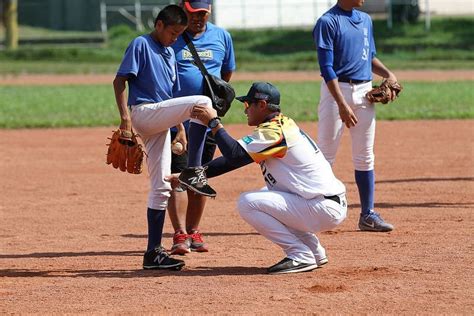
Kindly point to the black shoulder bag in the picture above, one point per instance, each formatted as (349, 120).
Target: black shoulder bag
(221, 92)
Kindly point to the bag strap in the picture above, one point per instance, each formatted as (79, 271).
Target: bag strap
(196, 58)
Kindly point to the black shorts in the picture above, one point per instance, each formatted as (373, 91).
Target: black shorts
(179, 162)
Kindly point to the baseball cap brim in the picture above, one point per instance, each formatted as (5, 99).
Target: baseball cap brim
(243, 98)
(197, 6)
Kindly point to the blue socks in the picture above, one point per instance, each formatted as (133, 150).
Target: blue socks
(366, 183)
(156, 219)
(197, 137)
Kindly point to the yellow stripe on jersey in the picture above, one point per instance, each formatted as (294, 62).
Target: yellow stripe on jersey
(270, 139)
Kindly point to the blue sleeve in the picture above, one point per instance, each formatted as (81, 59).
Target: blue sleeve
(323, 34)
(228, 64)
(131, 60)
(233, 155)
(221, 165)
(326, 63)
(230, 148)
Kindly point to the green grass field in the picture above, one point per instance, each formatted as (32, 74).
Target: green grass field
(94, 105)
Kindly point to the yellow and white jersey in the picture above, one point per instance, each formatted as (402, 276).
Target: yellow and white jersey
(290, 160)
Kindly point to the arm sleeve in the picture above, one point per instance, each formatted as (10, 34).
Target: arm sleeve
(221, 165)
(131, 59)
(326, 61)
(233, 155)
(228, 65)
(323, 37)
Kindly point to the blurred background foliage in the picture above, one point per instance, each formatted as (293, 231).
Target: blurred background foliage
(449, 44)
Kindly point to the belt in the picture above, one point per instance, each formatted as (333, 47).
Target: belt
(352, 81)
(335, 198)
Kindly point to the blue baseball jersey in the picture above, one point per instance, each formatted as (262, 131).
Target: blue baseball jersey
(349, 35)
(216, 52)
(151, 69)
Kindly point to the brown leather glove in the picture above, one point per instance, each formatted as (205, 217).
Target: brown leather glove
(386, 92)
(124, 152)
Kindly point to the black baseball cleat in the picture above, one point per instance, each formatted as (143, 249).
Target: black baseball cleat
(194, 178)
(158, 258)
(288, 265)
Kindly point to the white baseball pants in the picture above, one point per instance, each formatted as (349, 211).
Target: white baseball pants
(290, 221)
(153, 121)
(331, 127)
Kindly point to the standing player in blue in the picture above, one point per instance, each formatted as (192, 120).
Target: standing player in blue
(149, 67)
(346, 54)
(214, 46)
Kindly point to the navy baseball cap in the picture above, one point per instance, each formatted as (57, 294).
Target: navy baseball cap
(262, 91)
(198, 5)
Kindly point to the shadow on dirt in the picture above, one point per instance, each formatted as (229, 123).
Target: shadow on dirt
(170, 235)
(70, 273)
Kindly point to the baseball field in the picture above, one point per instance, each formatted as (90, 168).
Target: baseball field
(74, 229)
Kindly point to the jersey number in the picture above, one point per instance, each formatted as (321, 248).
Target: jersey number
(268, 176)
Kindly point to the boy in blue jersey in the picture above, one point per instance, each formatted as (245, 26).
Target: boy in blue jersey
(215, 48)
(346, 55)
(149, 68)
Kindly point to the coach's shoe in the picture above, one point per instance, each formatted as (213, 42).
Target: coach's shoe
(194, 178)
(288, 265)
(181, 244)
(374, 223)
(197, 243)
(158, 258)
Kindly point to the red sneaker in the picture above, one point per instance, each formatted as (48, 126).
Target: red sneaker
(197, 243)
(181, 244)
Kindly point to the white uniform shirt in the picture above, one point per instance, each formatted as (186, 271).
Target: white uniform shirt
(290, 160)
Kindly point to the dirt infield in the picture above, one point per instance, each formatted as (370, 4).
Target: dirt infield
(299, 76)
(73, 233)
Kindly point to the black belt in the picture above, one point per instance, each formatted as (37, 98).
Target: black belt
(335, 198)
(352, 81)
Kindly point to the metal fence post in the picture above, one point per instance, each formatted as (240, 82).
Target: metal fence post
(427, 15)
(103, 17)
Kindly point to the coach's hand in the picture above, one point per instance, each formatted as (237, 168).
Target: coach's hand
(203, 113)
(173, 180)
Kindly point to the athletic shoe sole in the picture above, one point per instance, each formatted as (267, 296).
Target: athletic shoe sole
(190, 187)
(176, 267)
(200, 249)
(181, 251)
(296, 270)
(374, 229)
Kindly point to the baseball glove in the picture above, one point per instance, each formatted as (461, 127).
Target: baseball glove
(387, 91)
(124, 152)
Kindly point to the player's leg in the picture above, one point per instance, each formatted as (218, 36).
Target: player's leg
(363, 138)
(197, 203)
(330, 125)
(150, 119)
(177, 207)
(158, 165)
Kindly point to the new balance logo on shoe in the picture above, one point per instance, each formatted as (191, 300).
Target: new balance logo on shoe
(194, 180)
(159, 259)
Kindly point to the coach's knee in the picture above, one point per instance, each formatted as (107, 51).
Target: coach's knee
(244, 205)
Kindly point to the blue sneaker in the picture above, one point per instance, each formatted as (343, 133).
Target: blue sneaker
(372, 222)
